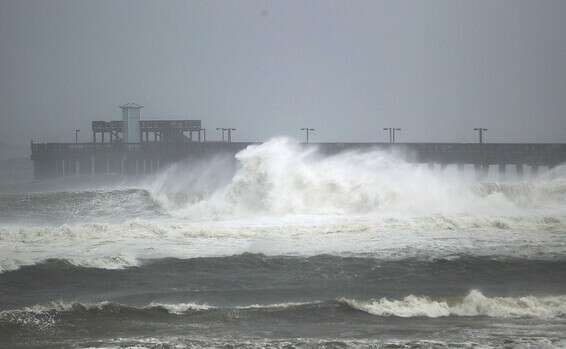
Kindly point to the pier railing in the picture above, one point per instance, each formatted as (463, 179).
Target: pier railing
(51, 159)
(43, 148)
(492, 153)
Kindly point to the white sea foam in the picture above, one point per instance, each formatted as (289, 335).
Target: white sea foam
(281, 177)
(474, 304)
(180, 308)
(172, 308)
(44, 316)
(286, 199)
(196, 342)
(112, 246)
(275, 305)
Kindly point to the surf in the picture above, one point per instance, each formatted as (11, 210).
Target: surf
(473, 304)
(281, 198)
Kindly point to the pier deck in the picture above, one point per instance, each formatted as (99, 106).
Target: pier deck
(65, 159)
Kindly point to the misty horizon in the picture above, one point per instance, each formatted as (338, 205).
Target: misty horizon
(436, 70)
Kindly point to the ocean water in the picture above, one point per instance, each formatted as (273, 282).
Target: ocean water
(281, 247)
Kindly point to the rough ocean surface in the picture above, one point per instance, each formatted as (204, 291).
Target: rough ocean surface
(284, 248)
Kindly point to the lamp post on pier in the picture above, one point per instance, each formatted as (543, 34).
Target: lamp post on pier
(307, 130)
(480, 133)
(223, 130)
(230, 134)
(392, 131)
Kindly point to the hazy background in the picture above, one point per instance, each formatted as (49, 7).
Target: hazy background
(347, 68)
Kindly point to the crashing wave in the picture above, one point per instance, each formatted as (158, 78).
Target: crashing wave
(474, 304)
(180, 308)
(280, 190)
(122, 245)
(281, 177)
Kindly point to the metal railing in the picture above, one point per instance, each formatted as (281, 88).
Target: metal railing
(42, 148)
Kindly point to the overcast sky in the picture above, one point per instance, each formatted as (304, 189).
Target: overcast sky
(347, 68)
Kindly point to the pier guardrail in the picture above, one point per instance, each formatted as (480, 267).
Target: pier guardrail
(492, 153)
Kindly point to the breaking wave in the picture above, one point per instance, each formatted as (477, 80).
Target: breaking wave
(112, 246)
(474, 304)
(283, 198)
(282, 177)
(44, 317)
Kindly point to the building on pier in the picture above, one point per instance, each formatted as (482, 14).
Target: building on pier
(132, 130)
(132, 146)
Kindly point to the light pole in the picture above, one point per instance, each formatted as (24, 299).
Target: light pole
(391, 133)
(230, 134)
(221, 129)
(77, 135)
(308, 130)
(395, 129)
(480, 133)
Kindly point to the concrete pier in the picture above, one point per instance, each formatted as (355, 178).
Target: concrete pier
(66, 159)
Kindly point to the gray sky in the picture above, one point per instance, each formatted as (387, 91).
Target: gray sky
(347, 68)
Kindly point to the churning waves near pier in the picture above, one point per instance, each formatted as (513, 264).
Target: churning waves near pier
(278, 198)
(284, 247)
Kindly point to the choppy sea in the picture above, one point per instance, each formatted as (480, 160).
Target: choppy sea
(281, 247)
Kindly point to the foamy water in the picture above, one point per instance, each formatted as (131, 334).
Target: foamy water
(281, 178)
(284, 247)
(281, 198)
(474, 304)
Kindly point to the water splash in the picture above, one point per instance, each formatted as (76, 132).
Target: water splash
(281, 177)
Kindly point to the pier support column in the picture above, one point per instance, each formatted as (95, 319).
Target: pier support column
(477, 168)
(481, 170)
(534, 170)
(84, 165)
(520, 170)
(501, 169)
